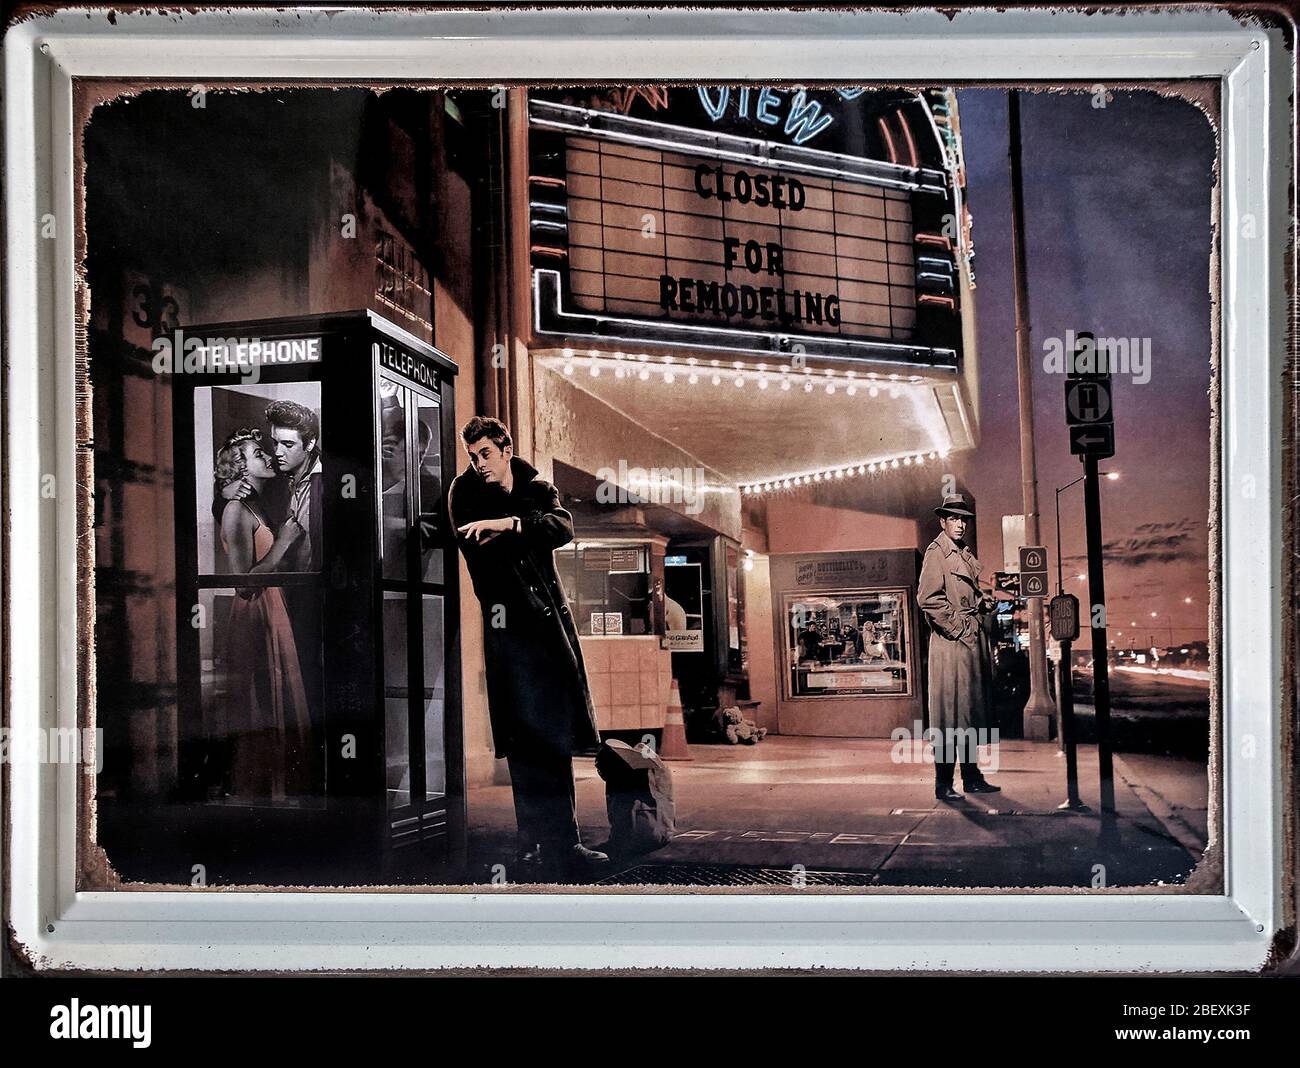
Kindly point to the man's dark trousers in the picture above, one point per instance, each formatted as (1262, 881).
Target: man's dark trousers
(546, 813)
(970, 774)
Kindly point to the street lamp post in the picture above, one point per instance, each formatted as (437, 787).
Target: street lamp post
(1039, 708)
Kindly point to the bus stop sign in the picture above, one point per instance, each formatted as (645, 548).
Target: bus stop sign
(1064, 612)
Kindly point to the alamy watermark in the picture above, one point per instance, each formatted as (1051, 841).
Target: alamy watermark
(1084, 354)
(685, 486)
(53, 745)
(948, 745)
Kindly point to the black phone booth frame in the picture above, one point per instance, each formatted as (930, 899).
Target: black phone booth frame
(354, 825)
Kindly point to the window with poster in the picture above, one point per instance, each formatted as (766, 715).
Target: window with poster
(608, 586)
(257, 614)
(848, 643)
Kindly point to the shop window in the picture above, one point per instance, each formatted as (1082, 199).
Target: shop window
(848, 643)
(608, 586)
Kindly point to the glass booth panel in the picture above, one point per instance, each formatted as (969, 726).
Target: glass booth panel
(846, 643)
(394, 402)
(397, 711)
(435, 699)
(429, 486)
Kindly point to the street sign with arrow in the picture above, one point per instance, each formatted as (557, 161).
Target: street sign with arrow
(1093, 439)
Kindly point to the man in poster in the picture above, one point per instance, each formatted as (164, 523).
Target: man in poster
(295, 434)
(960, 675)
(295, 446)
(508, 523)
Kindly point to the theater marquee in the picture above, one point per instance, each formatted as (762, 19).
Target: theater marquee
(665, 234)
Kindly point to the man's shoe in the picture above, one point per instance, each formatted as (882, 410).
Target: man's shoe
(529, 856)
(946, 793)
(585, 857)
(981, 787)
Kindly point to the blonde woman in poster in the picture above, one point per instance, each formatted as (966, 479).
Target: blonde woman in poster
(266, 720)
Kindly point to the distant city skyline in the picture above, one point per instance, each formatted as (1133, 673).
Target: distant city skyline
(1118, 240)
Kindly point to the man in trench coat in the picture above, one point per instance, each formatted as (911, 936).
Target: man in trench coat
(961, 674)
(508, 522)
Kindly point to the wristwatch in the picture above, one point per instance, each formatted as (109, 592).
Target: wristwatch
(517, 527)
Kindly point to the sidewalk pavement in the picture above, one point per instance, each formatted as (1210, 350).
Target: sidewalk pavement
(841, 811)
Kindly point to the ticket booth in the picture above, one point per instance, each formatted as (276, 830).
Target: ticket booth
(318, 661)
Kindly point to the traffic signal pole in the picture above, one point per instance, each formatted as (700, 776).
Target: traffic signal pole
(1100, 651)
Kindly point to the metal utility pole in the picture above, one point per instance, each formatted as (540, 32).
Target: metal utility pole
(1100, 651)
(1065, 672)
(1039, 709)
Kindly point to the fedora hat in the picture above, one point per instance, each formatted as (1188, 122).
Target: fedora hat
(956, 504)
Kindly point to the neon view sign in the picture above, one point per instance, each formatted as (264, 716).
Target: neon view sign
(800, 118)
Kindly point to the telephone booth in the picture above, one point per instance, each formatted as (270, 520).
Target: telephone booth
(318, 668)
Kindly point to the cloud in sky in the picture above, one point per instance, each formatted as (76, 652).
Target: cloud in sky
(1148, 543)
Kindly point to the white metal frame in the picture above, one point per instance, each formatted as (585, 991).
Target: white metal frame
(1016, 932)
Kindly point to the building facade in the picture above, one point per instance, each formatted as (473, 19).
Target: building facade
(734, 327)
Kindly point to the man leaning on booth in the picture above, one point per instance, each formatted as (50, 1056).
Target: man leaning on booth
(960, 676)
(508, 523)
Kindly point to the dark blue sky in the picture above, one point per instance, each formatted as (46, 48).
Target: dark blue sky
(1118, 239)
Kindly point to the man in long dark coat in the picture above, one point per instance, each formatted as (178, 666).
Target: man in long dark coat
(961, 673)
(508, 523)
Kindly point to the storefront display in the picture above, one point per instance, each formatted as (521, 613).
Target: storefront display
(849, 648)
(853, 642)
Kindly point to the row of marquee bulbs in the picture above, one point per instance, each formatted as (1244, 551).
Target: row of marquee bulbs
(867, 467)
(692, 369)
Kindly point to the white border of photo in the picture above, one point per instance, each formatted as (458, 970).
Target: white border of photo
(1121, 931)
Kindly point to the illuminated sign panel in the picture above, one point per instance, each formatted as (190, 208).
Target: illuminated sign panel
(679, 219)
(660, 233)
